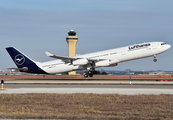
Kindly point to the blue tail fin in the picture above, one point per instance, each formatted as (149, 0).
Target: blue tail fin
(19, 59)
(23, 61)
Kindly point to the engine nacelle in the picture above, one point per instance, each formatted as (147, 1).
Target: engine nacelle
(103, 63)
(80, 62)
(114, 62)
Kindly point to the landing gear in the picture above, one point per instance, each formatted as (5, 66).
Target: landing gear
(85, 75)
(89, 73)
(155, 60)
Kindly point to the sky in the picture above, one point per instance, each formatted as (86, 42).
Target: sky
(37, 26)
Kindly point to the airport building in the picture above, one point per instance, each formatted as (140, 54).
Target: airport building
(72, 40)
(141, 73)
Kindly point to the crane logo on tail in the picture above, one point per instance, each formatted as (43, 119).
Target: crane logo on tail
(19, 59)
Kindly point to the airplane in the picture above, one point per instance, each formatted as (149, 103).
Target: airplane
(88, 62)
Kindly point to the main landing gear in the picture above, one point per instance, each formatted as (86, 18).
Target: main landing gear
(89, 73)
(155, 60)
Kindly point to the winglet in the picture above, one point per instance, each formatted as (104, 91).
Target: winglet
(49, 54)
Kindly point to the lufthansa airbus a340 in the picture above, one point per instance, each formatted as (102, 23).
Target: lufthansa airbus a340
(88, 62)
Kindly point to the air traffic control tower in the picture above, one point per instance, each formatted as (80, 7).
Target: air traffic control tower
(72, 40)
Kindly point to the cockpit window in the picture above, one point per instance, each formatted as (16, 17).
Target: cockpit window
(163, 43)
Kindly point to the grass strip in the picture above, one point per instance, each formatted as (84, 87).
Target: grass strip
(85, 106)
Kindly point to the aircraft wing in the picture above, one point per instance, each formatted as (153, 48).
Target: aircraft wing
(60, 57)
(95, 60)
(81, 61)
(71, 58)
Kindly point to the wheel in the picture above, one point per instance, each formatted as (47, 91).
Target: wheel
(91, 75)
(89, 72)
(85, 75)
(94, 72)
(155, 60)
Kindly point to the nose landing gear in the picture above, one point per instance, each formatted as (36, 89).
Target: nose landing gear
(155, 60)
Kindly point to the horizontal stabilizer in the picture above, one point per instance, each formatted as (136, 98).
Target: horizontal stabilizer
(19, 69)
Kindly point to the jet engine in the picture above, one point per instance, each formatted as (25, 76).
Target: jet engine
(107, 63)
(103, 63)
(80, 62)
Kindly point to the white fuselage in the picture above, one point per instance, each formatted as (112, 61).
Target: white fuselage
(106, 58)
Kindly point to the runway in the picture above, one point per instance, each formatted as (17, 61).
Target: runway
(123, 91)
(85, 82)
(88, 86)
(95, 87)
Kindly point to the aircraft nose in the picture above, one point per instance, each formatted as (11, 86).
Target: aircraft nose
(169, 46)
